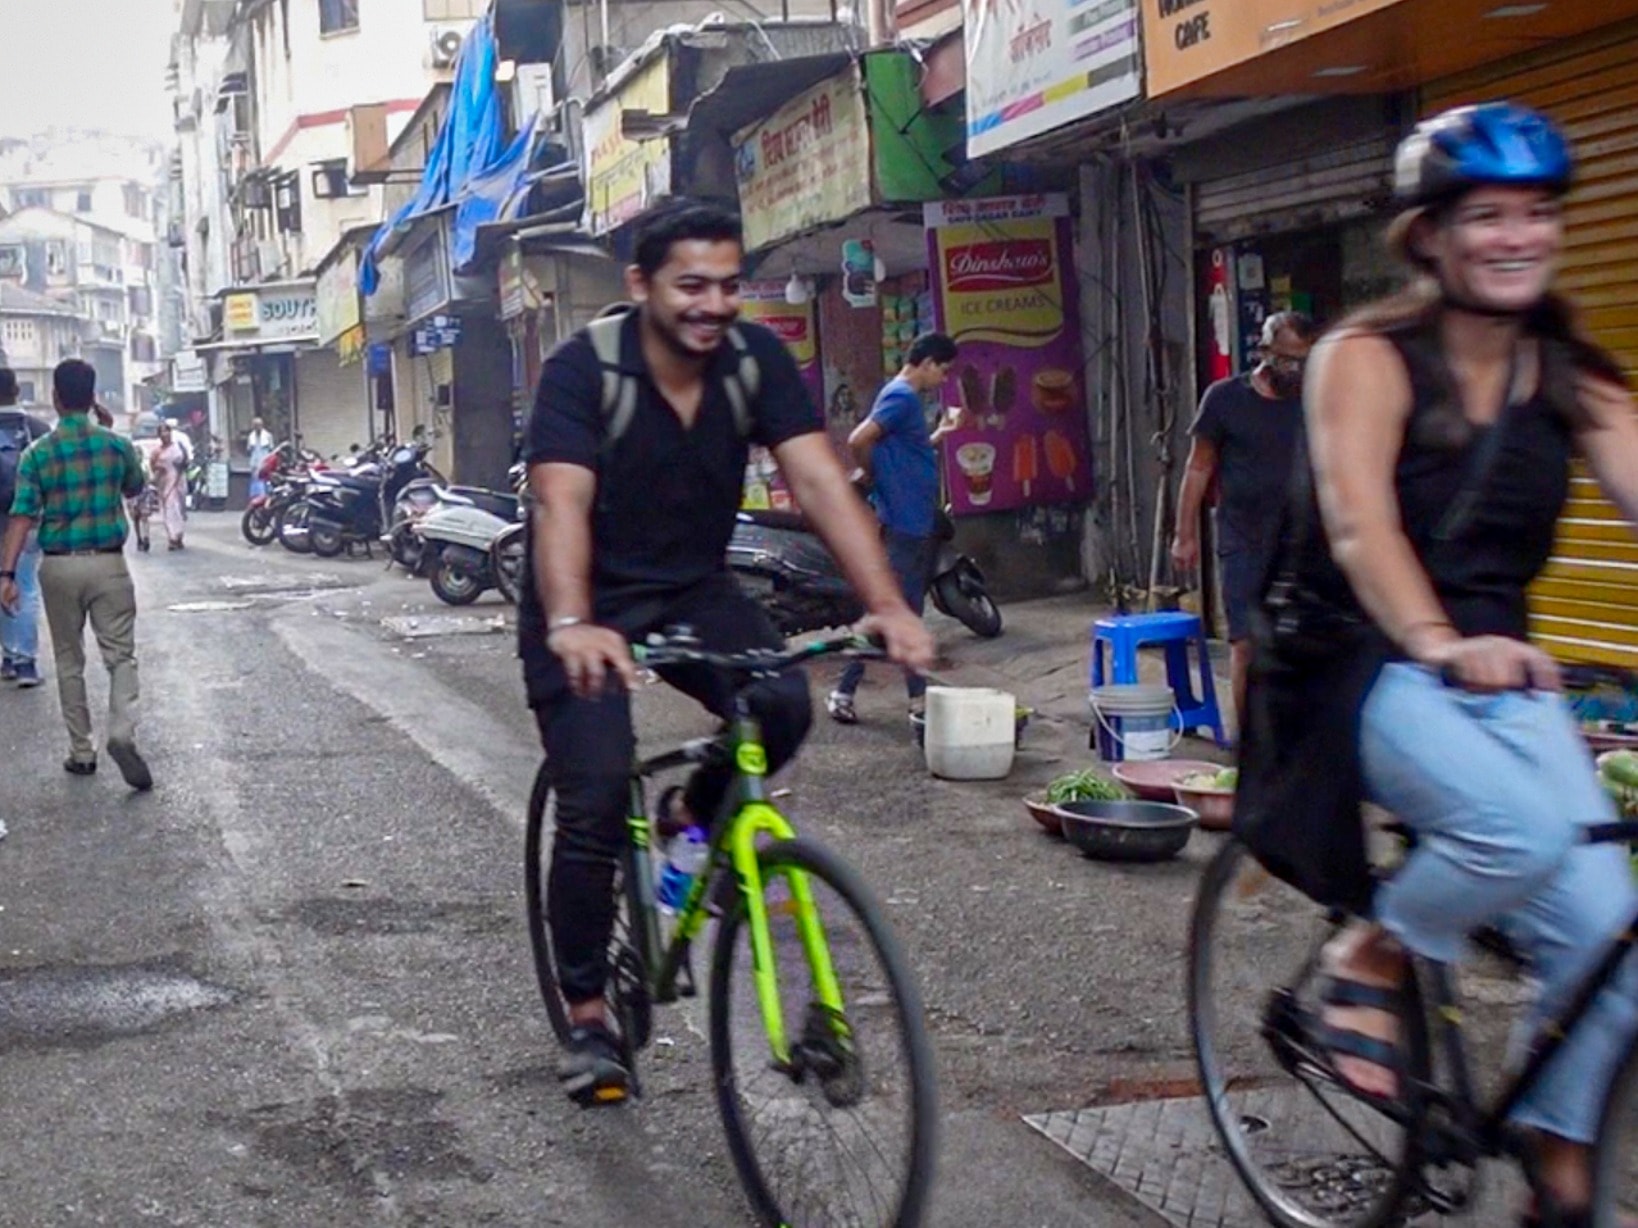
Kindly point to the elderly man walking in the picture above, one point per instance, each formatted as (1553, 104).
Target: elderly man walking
(71, 488)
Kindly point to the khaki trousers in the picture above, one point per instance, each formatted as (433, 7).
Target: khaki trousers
(95, 586)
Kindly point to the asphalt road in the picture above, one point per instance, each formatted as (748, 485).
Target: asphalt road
(291, 986)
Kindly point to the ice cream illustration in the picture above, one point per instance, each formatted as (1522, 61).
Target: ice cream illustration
(1003, 393)
(973, 398)
(1026, 461)
(1061, 459)
(977, 464)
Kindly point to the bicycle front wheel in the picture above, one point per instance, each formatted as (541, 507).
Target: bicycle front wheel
(845, 1133)
(1309, 1153)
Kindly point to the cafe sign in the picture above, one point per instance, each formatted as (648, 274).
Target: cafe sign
(287, 312)
(1186, 41)
(806, 165)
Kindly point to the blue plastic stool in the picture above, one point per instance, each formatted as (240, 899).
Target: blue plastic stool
(1124, 634)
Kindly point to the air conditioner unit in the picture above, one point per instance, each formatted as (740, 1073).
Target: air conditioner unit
(444, 44)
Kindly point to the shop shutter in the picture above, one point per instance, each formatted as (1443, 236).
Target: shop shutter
(1585, 606)
(1350, 181)
(330, 403)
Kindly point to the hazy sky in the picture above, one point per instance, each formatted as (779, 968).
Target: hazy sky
(85, 63)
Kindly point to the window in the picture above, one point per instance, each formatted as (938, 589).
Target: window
(33, 198)
(337, 16)
(82, 202)
(133, 201)
(25, 391)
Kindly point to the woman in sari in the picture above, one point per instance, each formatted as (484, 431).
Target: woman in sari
(169, 464)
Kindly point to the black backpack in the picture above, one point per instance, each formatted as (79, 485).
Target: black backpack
(14, 440)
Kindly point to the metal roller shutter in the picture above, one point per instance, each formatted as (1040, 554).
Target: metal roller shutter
(1350, 181)
(330, 403)
(1585, 606)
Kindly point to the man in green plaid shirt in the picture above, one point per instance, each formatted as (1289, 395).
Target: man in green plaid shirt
(72, 485)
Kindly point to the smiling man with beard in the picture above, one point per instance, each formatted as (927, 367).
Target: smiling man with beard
(635, 496)
(1245, 438)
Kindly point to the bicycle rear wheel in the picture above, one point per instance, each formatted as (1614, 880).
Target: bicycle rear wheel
(1310, 1154)
(847, 1135)
(628, 995)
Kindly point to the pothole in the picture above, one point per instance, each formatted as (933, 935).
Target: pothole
(429, 626)
(51, 1007)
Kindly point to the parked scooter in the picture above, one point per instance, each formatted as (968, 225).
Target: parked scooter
(349, 509)
(781, 562)
(471, 548)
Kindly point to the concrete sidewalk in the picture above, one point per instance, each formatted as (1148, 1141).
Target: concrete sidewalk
(1044, 658)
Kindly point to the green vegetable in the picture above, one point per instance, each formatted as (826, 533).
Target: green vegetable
(1085, 786)
(1228, 778)
(1620, 767)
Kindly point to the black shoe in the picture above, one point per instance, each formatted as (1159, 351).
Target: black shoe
(80, 767)
(593, 1071)
(131, 765)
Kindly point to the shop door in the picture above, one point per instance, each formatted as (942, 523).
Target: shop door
(1585, 607)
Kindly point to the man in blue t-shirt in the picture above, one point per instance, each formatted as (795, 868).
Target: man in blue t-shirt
(897, 459)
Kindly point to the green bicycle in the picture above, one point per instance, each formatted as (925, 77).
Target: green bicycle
(821, 1059)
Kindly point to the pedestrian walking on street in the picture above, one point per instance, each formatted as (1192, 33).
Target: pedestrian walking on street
(898, 460)
(1245, 440)
(259, 444)
(635, 496)
(70, 489)
(19, 632)
(169, 465)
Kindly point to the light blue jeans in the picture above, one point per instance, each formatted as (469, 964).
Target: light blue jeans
(20, 632)
(1499, 789)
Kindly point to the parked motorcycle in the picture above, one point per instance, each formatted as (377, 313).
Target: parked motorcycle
(474, 544)
(350, 509)
(781, 562)
(285, 472)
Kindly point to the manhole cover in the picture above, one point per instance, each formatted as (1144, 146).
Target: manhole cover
(208, 607)
(1167, 1155)
(420, 627)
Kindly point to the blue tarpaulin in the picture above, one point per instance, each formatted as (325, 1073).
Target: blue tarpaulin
(470, 150)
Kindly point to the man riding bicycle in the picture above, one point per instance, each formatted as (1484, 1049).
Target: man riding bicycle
(1393, 660)
(636, 468)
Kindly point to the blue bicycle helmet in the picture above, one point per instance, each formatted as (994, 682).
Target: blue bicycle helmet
(1494, 143)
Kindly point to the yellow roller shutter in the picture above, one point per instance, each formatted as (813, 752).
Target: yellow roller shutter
(1585, 606)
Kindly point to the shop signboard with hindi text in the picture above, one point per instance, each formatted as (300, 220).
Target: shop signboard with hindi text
(1002, 276)
(338, 307)
(623, 176)
(274, 312)
(807, 164)
(1035, 67)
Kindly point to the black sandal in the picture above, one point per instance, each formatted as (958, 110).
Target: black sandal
(1346, 1042)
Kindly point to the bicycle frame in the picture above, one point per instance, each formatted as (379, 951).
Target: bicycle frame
(748, 814)
(1485, 1129)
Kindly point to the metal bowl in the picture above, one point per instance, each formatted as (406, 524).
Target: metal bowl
(1127, 831)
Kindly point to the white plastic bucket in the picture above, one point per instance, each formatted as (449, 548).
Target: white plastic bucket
(1136, 722)
(971, 733)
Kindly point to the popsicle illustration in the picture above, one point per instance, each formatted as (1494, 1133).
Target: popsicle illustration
(1061, 459)
(1003, 393)
(1026, 461)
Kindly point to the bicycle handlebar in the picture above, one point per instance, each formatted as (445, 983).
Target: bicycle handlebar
(683, 649)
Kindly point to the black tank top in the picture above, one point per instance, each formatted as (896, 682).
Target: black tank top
(1480, 574)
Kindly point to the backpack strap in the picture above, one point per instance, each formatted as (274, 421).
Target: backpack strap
(619, 395)
(743, 384)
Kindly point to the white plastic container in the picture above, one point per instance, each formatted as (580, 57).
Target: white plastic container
(971, 733)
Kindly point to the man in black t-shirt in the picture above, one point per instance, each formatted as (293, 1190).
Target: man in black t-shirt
(1245, 438)
(629, 534)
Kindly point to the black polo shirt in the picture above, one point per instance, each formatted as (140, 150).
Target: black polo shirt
(666, 494)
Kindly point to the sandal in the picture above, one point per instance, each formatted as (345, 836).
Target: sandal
(1336, 1041)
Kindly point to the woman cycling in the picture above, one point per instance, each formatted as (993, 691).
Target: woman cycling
(1392, 657)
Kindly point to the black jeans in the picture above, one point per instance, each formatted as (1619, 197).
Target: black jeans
(590, 747)
(911, 559)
